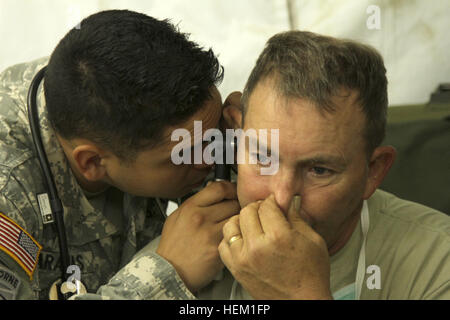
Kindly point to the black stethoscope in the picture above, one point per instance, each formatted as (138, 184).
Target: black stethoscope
(49, 200)
(50, 204)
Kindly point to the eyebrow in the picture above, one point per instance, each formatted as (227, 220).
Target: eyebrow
(324, 159)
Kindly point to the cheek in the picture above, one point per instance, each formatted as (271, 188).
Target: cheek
(146, 182)
(251, 186)
(341, 197)
(136, 182)
(329, 207)
(323, 203)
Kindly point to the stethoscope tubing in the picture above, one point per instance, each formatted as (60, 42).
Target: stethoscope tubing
(55, 202)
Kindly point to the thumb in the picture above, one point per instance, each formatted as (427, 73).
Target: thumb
(294, 208)
(293, 214)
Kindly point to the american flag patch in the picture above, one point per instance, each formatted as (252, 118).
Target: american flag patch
(18, 244)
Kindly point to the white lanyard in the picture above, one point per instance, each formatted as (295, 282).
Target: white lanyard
(361, 269)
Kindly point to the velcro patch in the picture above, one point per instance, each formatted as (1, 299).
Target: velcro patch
(19, 244)
(9, 284)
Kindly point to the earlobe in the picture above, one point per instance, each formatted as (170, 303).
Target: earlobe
(381, 161)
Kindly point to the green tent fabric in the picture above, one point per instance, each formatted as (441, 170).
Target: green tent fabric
(421, 136)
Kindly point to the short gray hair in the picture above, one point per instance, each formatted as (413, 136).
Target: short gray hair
(316, 67)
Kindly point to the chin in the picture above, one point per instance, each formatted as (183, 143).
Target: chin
(173, 194)
(145, 194)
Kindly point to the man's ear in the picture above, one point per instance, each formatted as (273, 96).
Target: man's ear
(380, 162)
(232, 111)
(87, 158)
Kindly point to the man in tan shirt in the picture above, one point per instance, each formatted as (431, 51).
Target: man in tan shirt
(319, 228)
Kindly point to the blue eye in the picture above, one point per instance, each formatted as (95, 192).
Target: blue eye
(321, 171)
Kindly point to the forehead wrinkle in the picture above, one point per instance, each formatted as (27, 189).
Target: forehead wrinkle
(341, 124)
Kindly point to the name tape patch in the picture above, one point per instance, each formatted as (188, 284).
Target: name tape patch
(9, 284)
(19, 244)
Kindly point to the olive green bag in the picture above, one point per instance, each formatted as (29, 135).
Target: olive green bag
(421, 136)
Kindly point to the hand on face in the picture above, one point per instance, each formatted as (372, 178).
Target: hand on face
(192, 233)
(278, 256)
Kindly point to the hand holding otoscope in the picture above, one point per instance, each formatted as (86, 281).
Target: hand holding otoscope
(192, 233)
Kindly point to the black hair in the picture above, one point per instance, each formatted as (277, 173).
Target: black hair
(122, 77)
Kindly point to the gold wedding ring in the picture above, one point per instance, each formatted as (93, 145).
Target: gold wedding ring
(234, 238)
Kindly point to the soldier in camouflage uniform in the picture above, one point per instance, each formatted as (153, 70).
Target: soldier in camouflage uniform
(105, 228)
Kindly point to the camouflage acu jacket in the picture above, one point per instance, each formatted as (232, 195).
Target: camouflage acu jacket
(104, 231)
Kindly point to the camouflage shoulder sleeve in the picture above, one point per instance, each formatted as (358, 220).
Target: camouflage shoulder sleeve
(15, 284)
(147, 277)
(16, 176)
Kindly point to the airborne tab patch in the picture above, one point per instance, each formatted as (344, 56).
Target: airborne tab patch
(19, 244)
(9, 284)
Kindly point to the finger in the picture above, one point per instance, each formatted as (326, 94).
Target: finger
(293, 215)
(216, 231)
(218, 228)
(231, 228)
(249, 222)
(223, 210)
(232, 234)
(225, 254)
(214, 193)
(294, 208)
(271, 216)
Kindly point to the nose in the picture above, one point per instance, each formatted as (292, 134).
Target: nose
(284, 185)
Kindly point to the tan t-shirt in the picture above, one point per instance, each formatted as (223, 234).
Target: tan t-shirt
(408, 242)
